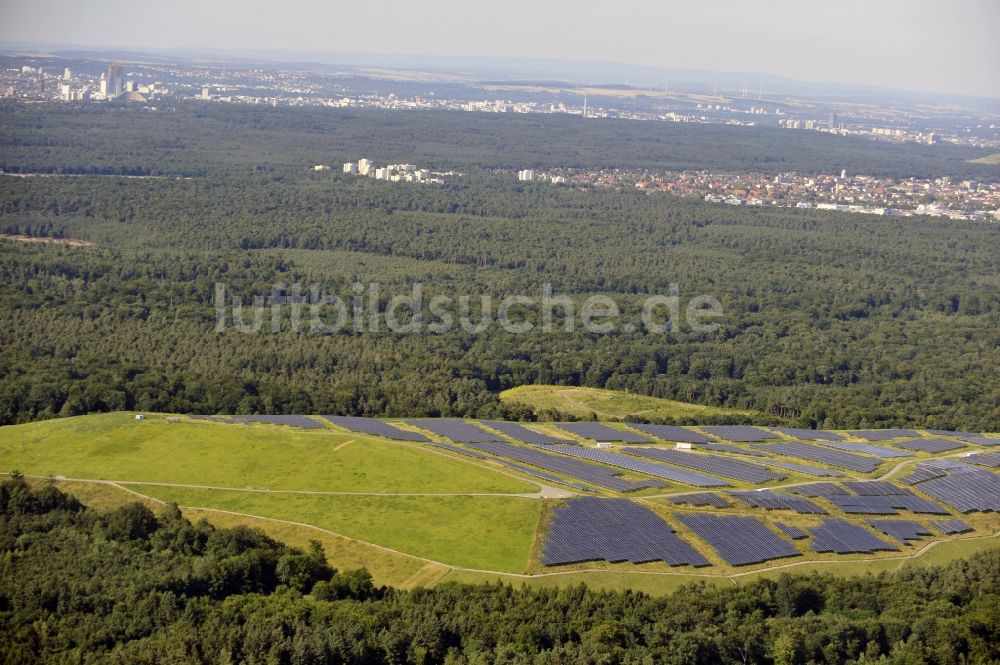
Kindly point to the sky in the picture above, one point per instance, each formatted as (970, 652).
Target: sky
(948, 46)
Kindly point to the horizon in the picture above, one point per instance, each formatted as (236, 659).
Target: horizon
(914, 47)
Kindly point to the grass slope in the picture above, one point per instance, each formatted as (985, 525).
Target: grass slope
(608, 404)
(489, 533)
(993, 159)
(116, 447)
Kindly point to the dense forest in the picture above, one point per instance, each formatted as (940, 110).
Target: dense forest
(131, 586)
(830, 320)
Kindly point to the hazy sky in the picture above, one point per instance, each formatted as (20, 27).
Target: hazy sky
(945, 46)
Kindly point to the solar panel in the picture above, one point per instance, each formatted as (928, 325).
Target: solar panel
(769, 500)
(982, 440)
(595, 474)
(948, 432)
(456, 449)
(905, 531)
(965, 488)
(984, 459)
(883, 434)
(455, 430)
(811, 434)
(951, 527)
(816, 489)
(614, 530)
(740, 433)
(640, 466)
(700, 499)
(929, 445)
(729, 448)
(739, 540)
(882, 452)
(884, 505)
(376, 427)
(671, 433)
(292, 421)
(714, 464)
(544, 476)
(804, 469)
(837, 458)
(869, 497)
(603, 433)
(523, 434)
(793, 532)
(842, 537)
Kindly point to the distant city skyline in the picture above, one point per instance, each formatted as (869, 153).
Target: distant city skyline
(921, 45)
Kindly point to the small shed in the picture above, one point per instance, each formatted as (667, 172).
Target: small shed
(139, 416)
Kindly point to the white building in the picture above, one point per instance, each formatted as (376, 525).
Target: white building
(351, 168)
(321, 167)
(67, 74)
(382, 174)
(526, 175)
(365, 166)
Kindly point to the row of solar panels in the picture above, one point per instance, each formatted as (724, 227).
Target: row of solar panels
(459, 431)
(617, 530)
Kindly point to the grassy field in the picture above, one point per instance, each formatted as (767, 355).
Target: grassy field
(114, 446)
(988, 159)
(608, 404)
(489, 533)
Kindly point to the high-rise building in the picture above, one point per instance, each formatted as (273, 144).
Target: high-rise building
(67, 74)
(365, 166)
(116, 85)
(351, 168)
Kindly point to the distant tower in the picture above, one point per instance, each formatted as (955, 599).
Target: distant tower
(116, 85)
(41, 82)
(584, 107)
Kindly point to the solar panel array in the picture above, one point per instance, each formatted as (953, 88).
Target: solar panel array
(842, 537)
(984, 459)
(902, 530)
(884, 505)
(804, 468)
(614, 530)
(523, 434)
(882, 452)
(948, 432)
(601, 432)
(457, 431)
(965, 488)
(769, 500)
(869, 497)
(951, 527)
(811, 434)
(700, 499)
(671, 433)
(837, 458)
(456, 449)
(883, 434)
(816, 489)
(214, 419)
(793, 532)
(741, 433)
(376, 427)
(729, 448)
(739, 540)
(640, 466)
(595, 474)
(720, 466)
(982, 440)
(543, 475)
(292, 421)
(929, 445)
